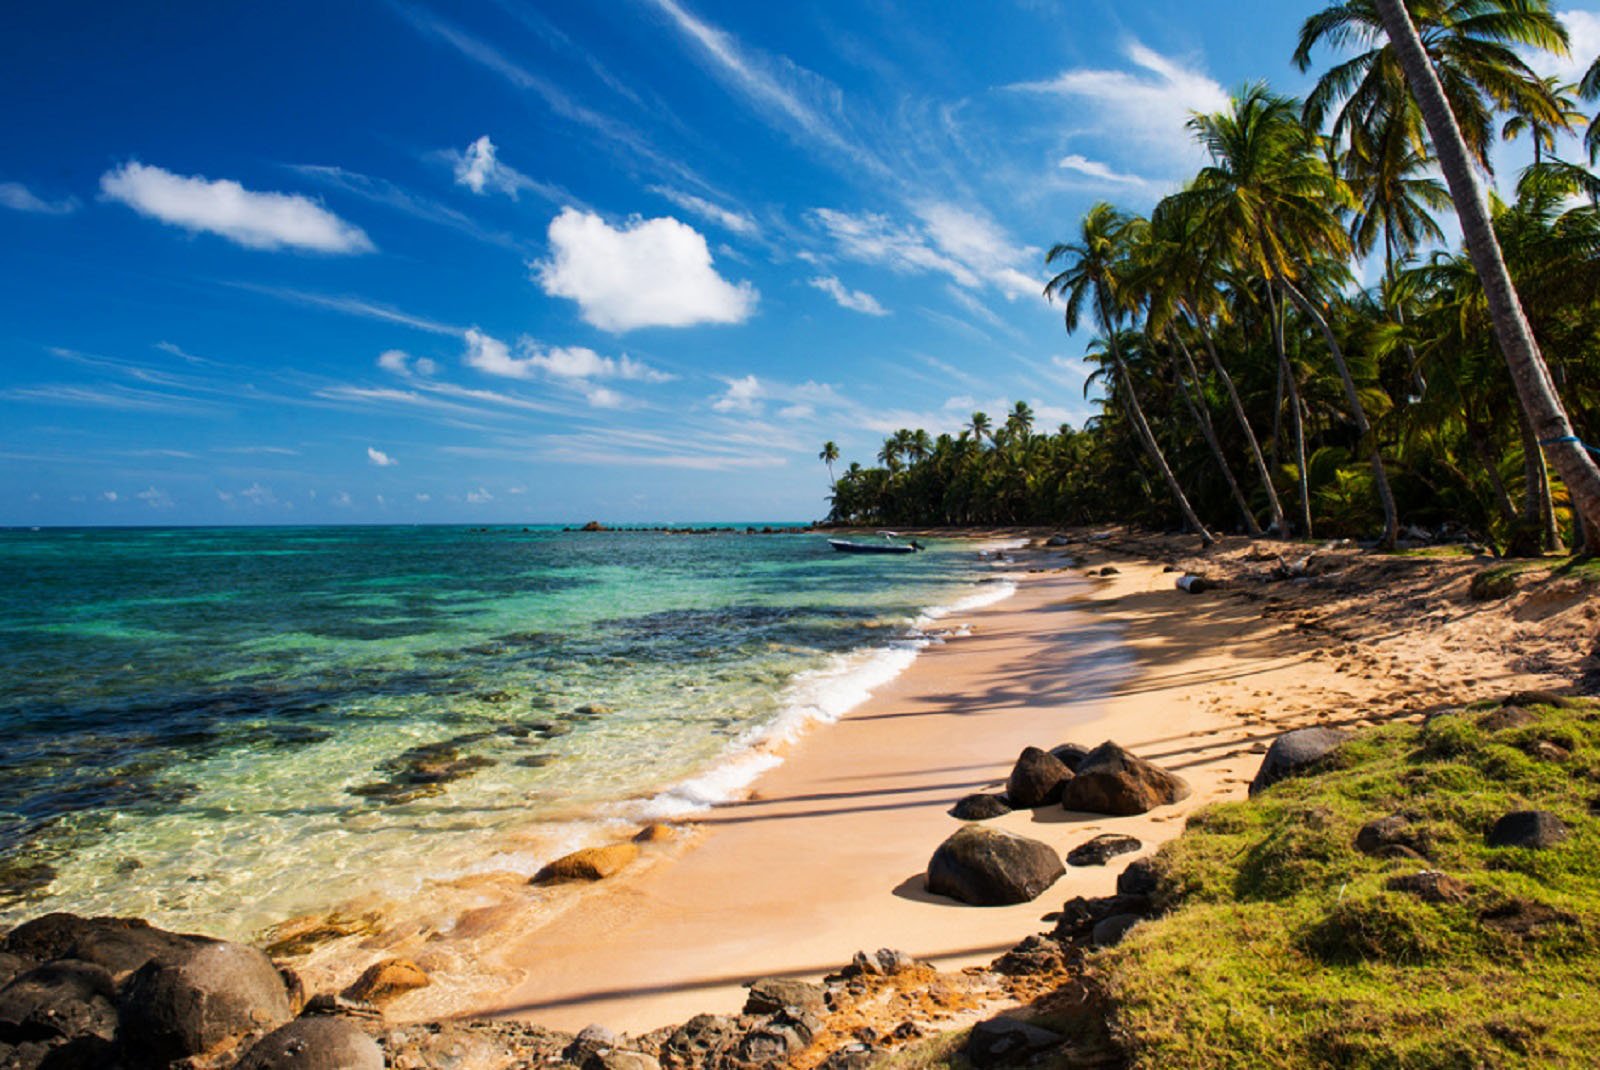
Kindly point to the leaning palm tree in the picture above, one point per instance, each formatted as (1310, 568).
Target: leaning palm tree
(1093, 270)
(829, 454)
(1535, 389)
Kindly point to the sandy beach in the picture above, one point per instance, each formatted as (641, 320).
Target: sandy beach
(826, 857)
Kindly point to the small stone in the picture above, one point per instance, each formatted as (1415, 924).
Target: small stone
(589, 864)
(980, 806)
(591, 1039)
(1378, 837)
(1101, 849)
(1535, 829)
(1430, 886)
(214, 996)
(386, 981)
(58, 1001)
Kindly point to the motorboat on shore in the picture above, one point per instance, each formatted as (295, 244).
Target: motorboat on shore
(888, 546)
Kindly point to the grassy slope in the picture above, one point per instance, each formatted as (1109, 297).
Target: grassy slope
(1286, 949)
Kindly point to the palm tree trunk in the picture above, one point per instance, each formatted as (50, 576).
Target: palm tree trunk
(1148, 437)
(1479, 439)
(1380, 474)
(1535, 389)
(1297, 422)
(1274, 506)
(1538, 506)
(1202, 416)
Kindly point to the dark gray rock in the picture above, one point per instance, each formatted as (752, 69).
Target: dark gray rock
(11, 965)
(770, 995)
(1535, 829)
(884, 962)
(58, 1001)
(314, 1044)
(213, 996)
(1139, 878)
(1430, 886)
(986, 867)
(1101, 849)
(1035, 956)
(704, 1040)
(1296, 752)
(1378, 837)
(1036, 779)
(121, 945)
(772, 1042)
(1111, 780)
(1108, 932)
(1006, 1040)
(980, 807)
(856, 1056)
(1070, 755)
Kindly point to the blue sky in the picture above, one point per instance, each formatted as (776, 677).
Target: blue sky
(524, 262)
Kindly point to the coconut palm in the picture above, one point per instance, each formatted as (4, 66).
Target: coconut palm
(830, 454)
(980, 427)
(1589, 89)
(1093, 270)
(1535, 388)
(1544, 123)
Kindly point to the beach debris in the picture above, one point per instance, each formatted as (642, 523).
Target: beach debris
(1036, 779)
(1108, 932)
(1058, 540)
(987, 867)
(1101, 849)
(1113, 780)
(386, 981)
(980, 806)
(1193, 584)
(769, 995)
(1070, 754)
(1006, 1040)
(314, 1044)
(1431, 886)
(120, 945)
(1533, 829)
(1297, 752)
(1393, 837)
(1506, 717)
(589, 864)
(212, 997)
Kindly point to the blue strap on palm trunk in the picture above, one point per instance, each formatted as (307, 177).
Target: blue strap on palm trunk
(1570, 438)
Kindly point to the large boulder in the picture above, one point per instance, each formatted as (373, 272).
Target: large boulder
(987, 867)
(58, 1001)
(1111, 780)
(210, 998)
(1070, 755)
(1006, 1040)
(1295, 752)
(1036, 779)
(121, 945)
(314, 1044)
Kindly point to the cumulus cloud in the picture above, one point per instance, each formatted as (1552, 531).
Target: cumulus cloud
(381, 459)
(479, 496)
(424, 498)
(109, 495)
(155, 499)
(481, 170)
(726, 218)
(1097, 170)
(1141, 111)
(224, 207)
(402, 363)
(573, 363)
(256, 494)
(854, 300)
(742, 395)
(19, 198)
(1583, 29)
(648, 273)
(342, 500)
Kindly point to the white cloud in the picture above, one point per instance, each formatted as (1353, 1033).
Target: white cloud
(224, 496)
(424, 497)
(402, 363)
(969, 248)
(854, 300)
(254, 220)
(726, 218)
(479, 496)
(1097, 170)
(342, 500)
(604, 398)
(650, 273)
(481, 170)
(256, 494)
(109, 495)
(1583, 29)
(981, 245)
(797, 412)
(875, 239)
(743, 395)
(1140, 113)
(155, 499)
(19, 198)
(381, 459)
(572, 363)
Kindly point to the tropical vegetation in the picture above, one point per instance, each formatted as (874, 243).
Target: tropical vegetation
(1247, 383)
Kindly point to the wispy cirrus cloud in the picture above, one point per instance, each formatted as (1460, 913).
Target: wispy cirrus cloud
(222, 206)
(1094, 169)
(726, 218)
(351, 306)
(945, 239)
(844, 297)
(19, 198)
(393, 195)
(646, 273)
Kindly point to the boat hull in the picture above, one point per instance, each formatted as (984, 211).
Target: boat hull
(846, 547)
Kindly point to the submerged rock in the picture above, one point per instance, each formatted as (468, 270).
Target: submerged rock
(589, 864)
(986, 867)
(1036, 779)
(1296, 752)
(1112, 780)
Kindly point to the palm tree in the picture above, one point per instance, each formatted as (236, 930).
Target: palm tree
(1270, 192)
(1093, 270)
(1535, 388)
(1472, 42)
(829, 454)
(1019, 421)
(980, 427)
(1589, 89)
(1542, 123)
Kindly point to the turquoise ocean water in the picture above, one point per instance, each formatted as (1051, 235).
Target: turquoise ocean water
(221, 728)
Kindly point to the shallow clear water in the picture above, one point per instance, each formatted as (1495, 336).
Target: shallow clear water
(222, 728)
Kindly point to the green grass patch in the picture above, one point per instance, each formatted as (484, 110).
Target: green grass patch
(1453, 549)
(1287, 947)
